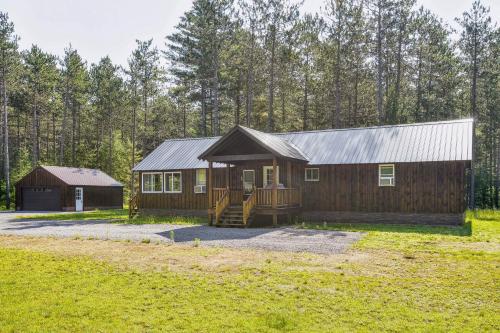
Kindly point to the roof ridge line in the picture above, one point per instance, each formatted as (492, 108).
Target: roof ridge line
(463, 120)
(193, 138)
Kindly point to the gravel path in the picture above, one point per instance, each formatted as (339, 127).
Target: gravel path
(281, 239)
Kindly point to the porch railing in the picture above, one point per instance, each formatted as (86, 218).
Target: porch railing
(217, 193)
(133, 206)
(221, 203)
(286, 197)
(248, 205)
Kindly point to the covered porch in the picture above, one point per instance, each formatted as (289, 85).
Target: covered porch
(262, 177)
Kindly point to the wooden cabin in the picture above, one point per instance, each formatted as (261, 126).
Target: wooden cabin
(415, 173)
(52, 188)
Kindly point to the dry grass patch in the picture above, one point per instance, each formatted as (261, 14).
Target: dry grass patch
(176, 258)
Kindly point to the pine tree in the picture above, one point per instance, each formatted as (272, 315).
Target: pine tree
(475, 37)
(145, 75)
(8, 63)
(75, 85)
(42, 76)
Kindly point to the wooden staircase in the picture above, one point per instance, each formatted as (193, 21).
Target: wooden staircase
(133, 207)
(233, 217)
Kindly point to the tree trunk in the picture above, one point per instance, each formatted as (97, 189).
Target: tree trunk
(54, 149)
(215, 90)
(305, 108)
(270, 116)
(145, 109)
(238, 99)
(6, 158)
(73, 134)
(203, 118)
(380, 110)
(398, 73)
(134, 127)
(63, 127)
(355, 102)
(336, 123)
(250, 80)
(418, 105)
(34, 133)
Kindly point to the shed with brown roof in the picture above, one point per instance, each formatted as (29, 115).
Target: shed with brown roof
(52, 188)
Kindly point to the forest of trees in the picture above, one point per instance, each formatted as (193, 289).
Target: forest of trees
(260, 63)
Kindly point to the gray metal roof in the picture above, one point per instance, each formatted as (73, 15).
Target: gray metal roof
(177, 154)
(82, 176)
(421, 142)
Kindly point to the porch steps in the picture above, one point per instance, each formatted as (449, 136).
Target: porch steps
(233, 217)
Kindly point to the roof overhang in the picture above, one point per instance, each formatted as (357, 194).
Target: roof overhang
(273, 146)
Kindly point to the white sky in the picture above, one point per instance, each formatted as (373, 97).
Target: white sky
(110, 27)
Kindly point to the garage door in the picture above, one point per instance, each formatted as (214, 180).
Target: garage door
(41, 198)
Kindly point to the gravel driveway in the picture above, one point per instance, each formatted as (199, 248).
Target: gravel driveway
(281, 239)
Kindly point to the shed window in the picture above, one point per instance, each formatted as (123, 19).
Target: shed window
(173, 182)
(201, 177)
(386, 175)
(312, 174)
(152, 182)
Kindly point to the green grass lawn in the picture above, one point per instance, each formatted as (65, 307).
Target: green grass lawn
(397, 278)
(115, 216)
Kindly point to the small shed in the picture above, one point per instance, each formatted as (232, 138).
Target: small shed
(52, 188)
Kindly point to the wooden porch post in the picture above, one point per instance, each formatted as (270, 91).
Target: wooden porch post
(210, 193)
(228, 170)
(274, 192)
(289, 174)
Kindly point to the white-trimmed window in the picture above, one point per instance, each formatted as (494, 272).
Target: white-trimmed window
(152, 182)
(312, 175)
(268, 175)
(386, 175)
(201, 176)
(173, 182)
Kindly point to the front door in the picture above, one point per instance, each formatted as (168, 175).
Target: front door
(248, 181)
(78, 199)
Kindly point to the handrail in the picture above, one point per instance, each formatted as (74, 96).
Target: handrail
(133, 205)
(217, 193)
(248, 205)
(221, 204)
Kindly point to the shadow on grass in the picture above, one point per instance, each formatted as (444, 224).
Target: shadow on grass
(462, 230)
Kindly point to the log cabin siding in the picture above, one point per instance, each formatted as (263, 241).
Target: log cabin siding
(425, 187)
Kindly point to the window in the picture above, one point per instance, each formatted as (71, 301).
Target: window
(152, 182)
(248, 181)
(386, 175)
(201, 176)
(173, 182)
(312, 174)
(268, 175)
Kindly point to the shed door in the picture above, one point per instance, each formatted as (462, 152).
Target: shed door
(78, 199)
(41, 198)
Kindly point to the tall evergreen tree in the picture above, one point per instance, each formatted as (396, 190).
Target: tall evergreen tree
(474, 40)
(75, 85)
(8, 63)
(41, 76)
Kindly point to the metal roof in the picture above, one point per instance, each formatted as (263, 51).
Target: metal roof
(178, 154)
(421, 142)
(82, 176)
(272, 143)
